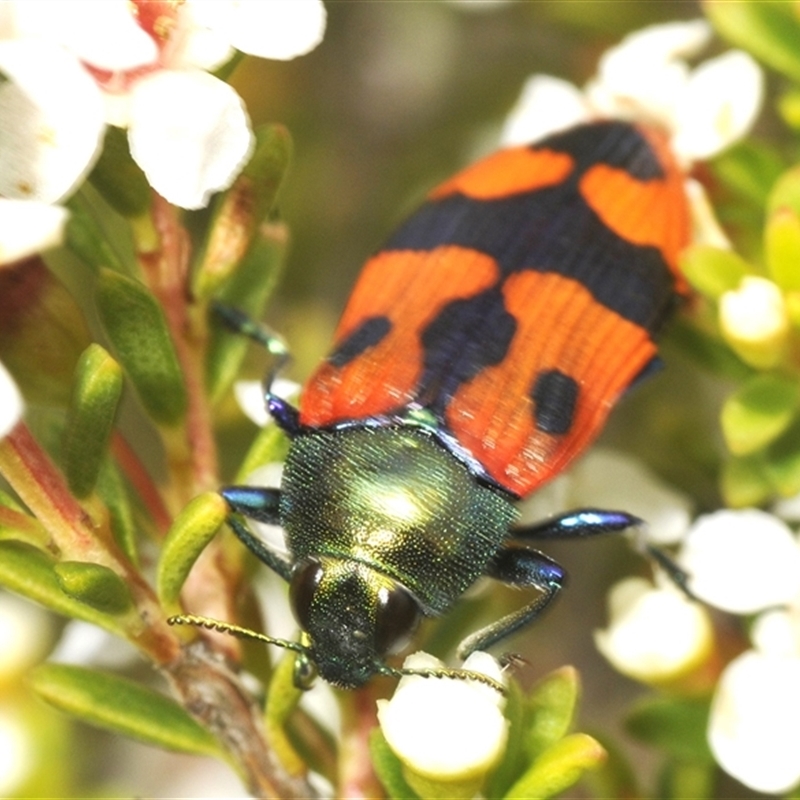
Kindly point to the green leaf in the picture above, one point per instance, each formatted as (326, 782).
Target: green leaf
(135, 325)
(190, 533)
(118, 178)
(241, 209)
(248, 289)
(681, 779)
(31, 573)
(515, 758)
(95, 585)
(120, 705)
(782, 245)
(87, 239)
(675, 725)
(270, 445)
(558, 768)
(112, 491)
(782, 462)
(389, 768)
(552, 706)
(90, 418)
(785, 193)
(760, 411)
(744, 482)
(749, 169)
(712, 271)
(282, 699)
(766, 28)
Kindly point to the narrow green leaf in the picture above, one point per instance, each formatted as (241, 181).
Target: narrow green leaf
(675, 725)
(120, 705)
(552, 706)
(96, 390)
(135, 325)
(782, 245)
(558, 768)
(112, 491)
(241, 209)
(270, 445)
(248, 289)
(712, 271)
(749, 169)
(760, 411)
(282, 699)
(192, 530)
(744, 482)
(31, 573)
(95, 585)
(118, 177)
(389, 768)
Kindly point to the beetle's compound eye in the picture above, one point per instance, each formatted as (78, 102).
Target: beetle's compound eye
(396, 618)
(302, 589)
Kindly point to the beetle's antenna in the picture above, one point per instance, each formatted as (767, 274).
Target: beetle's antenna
(235, 630)
(445, 672)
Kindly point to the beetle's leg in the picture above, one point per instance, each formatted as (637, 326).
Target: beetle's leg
(521, 567)
(591, 521)
(281, 411)
(583, 522)
(260, 504)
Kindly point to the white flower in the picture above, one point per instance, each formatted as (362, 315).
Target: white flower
(755, 321)
(655, 635)
(753, 723)
(742, 561)
(646, 78)
(28, 227)
(17, 752)
(446, 729)
(250, 397)
(11, 406)
(75, 65)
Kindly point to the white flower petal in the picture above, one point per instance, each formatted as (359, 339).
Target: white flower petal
(11, 405)
(189, 133)
(281, 29)
(250, 397)
(445, 728)
(105, 35)
(754, 313)
(28, 227)
(777, 633)
(753, 724)
(608, 479)
(642, 77)
(25, 632)
(199, 38)
(722, 100)
(546, 105)
(17, 753)
(654, 635)
(51, 121)
(742, 561)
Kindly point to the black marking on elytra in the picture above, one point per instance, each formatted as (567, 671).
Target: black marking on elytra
(369, 333)
(553, 229)
(555, 395)
(615, 144)
(464, 338)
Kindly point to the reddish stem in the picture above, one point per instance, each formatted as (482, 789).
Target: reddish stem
(141, 481)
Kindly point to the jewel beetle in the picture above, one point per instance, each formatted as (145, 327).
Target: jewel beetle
(480, 352)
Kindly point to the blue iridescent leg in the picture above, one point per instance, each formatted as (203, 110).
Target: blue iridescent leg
(284, 414)
(525, 568)
(583, 522)
(260, 504)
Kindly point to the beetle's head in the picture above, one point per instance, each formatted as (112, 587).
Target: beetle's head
(353, 615)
